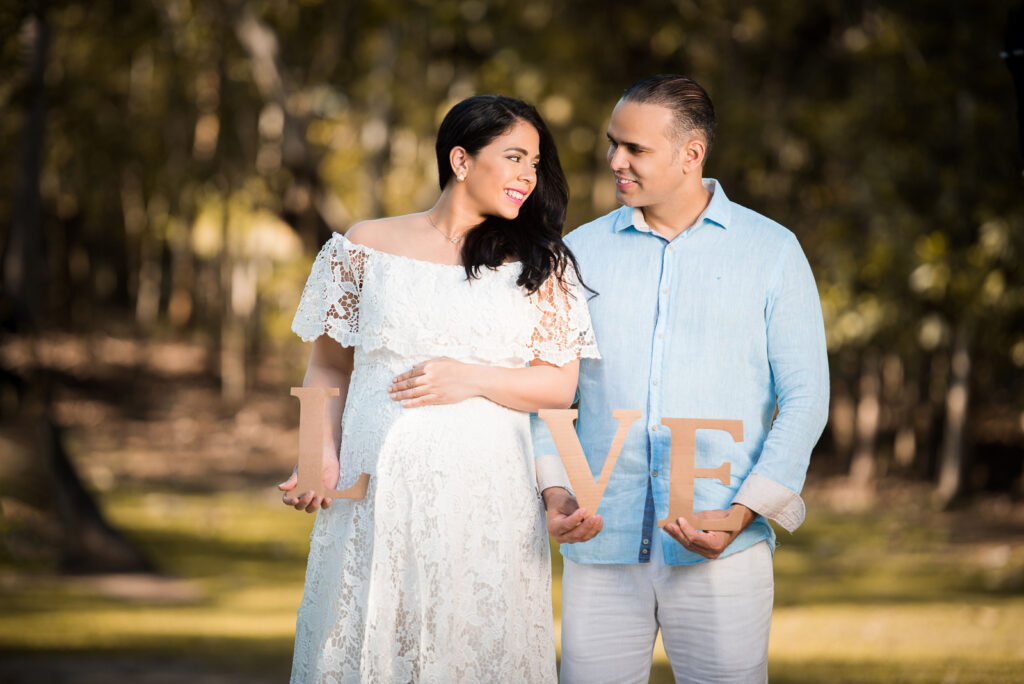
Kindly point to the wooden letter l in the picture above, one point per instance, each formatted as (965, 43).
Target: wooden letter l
(312, 409)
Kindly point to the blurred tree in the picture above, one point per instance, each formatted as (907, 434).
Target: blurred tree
(194, 149)
(1013, 54)
(23, 251)
(89, 542)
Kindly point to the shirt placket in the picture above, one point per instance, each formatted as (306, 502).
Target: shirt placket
(655, 430)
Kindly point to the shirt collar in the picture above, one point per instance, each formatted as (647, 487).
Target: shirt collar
(718, 211)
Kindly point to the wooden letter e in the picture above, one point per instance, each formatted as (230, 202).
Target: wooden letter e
(683, 456)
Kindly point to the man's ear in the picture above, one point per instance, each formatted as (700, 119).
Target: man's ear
(693, 154)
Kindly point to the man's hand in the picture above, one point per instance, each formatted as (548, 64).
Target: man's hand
(567, 522)
(708, 544)
(310, 501)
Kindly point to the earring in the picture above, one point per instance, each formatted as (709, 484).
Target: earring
(461, 177)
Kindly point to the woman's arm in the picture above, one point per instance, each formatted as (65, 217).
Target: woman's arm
(445, 381)
(330, 365)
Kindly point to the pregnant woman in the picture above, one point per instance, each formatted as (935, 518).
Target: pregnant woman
(443, 330)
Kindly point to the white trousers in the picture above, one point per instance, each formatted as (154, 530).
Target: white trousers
(714, 618)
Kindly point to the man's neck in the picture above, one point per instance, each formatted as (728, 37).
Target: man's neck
(672, 218)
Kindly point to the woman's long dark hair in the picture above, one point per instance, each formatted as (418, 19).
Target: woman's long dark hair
(534, 237)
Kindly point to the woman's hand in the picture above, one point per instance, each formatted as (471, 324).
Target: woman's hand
(437, 381)
(311, 501)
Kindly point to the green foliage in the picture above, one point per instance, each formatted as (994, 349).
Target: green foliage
(881, 134)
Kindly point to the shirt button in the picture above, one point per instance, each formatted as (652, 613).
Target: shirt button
(654, 382)
(670, 248)
(643, 551)
(647, 541)
(654, 427)
(661, 336)
(654, 473)
(664, 290)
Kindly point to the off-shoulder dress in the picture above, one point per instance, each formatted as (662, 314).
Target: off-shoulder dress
(441, 573)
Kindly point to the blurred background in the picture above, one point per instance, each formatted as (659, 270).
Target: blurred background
(170, 167)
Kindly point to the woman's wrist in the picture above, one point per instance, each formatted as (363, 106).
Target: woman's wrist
(481, 379)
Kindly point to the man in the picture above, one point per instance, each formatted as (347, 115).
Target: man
(704, 309)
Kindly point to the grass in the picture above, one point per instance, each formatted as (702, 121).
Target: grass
(881, 596)
(243, 559)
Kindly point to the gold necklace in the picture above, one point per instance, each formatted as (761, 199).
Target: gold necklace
(454, 240)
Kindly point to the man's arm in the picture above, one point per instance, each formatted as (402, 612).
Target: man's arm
(330, 365)
(799, 363)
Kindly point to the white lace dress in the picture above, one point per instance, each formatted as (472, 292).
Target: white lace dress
(441, 574)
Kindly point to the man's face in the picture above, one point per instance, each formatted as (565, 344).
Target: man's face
(647, 162)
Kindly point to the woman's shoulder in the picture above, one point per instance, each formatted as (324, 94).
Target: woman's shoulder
(383, 234)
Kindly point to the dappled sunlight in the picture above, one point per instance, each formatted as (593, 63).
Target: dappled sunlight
(174, 166)
(234, 565)
(868, 597)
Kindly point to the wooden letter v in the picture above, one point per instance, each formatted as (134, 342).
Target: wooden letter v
(581, 477)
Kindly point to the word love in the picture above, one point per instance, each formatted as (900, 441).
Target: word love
(313, 431)
(683, 455)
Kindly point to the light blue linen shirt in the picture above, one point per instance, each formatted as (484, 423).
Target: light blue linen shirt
(719, 323)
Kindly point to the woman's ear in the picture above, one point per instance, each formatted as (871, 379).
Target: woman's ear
(460, 161)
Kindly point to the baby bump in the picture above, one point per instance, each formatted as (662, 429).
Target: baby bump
(472, 446)
(463, 470)
(474, 443)
(465, 436)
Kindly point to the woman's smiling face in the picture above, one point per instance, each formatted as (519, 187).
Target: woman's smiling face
(500, 176)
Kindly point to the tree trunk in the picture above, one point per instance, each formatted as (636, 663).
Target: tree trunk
(863, 466)
(139, 232)
(842, 419)
(375, 137)
(23, 262)
(308, 207)
(183, 277)
(1014, 57)
(898, 392)
(89, 543)
(953, 456)
(232, 331)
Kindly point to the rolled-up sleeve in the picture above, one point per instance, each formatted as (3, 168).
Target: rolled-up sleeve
(550, 471)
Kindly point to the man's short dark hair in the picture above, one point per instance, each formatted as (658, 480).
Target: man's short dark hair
(684, 96)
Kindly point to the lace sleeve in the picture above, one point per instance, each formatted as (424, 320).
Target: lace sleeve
(330, 300)
(563, 332)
